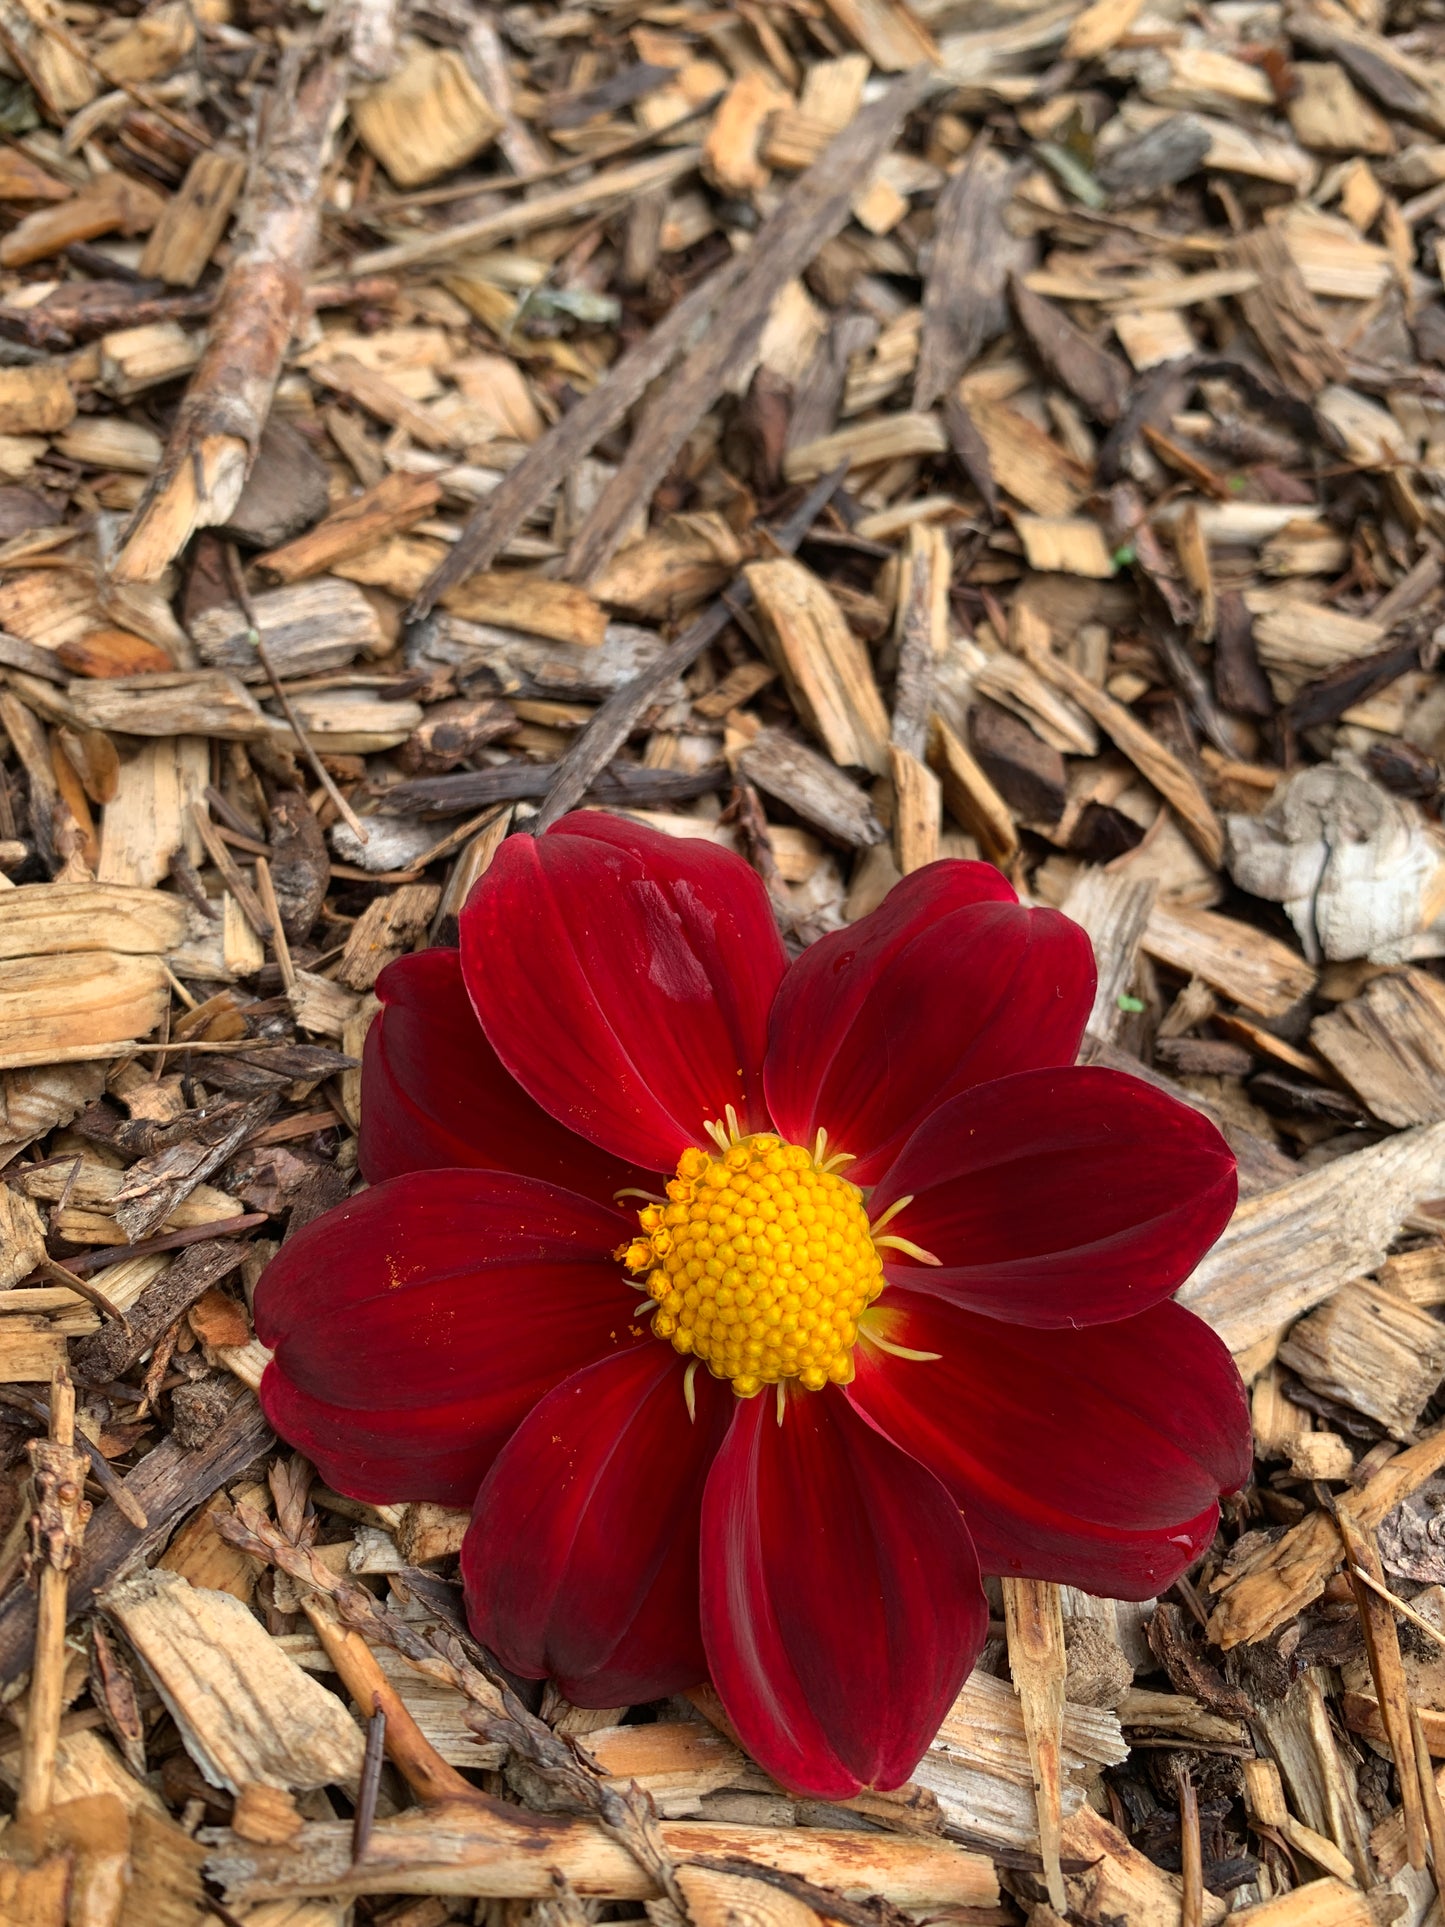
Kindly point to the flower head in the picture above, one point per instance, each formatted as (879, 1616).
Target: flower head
(755, 1308)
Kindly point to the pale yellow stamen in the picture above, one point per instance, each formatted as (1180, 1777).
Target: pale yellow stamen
(907, 1245)
(898, 1351)
(884, 1217)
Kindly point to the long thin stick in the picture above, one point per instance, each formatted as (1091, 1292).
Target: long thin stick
(1038, 1662)
(1406, 1612)
(218, 426)
(1191, 1855)
(608, 730)
(56, 1528)
(298, 728)
(1382, 1646)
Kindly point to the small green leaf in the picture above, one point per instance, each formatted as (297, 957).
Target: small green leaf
(1132, 1004)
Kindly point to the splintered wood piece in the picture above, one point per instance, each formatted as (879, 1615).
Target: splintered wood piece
(1158, 765)
(307, 628)
(1287, 1249)
(812, 786)
(1071, 544)
(917, 807)
(176, 703)
(395, 504)
(1038, 1663)
(37, 400)
(148, 821)
(427, 118)
(1285, 316)
(245, 1710)
(135, 359)
(1119, 1883)
(963, 295)
(730, 153)
(887, 438)
(1191, 1854)
(89, 1004)
(888, 31)
(1318, 1903)
(218, 427)
(170, 1294)
(112, 203)
(1292, 1572)
(515, 599)
(1025, 462)
(1388, 1044)
(1257, 971)
(387, 926)
(1429, 1790)
(731, 1900)
(154, 1186)
(1382, 1644)
(922, 631)
(382, 398)
(1371, 1349)
(670, 570)
(979, 1768)
(55, 919)
(1265, 1797)
(825, 666)
(613, 187)
(183, 240)
(814, 208)
(480, 1846)
(1115, 911)
(970, 798)
(1100, 27)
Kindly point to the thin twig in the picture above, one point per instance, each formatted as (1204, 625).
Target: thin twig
(1191, 1855)
(371, 1766)
(298, 728)
(1408, 1612)
(62, 1275)
(110, 1483)
(168, 1241)
(609, 729)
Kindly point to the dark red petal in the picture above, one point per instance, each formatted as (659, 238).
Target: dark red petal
(949, 983)
(467, 1293)
(624, 978)
(841, 1604)
(1059, 1197)
(1130, 1426)
(434, 1094)
(582, 1558)
(435, 1452)
(1029, 1540)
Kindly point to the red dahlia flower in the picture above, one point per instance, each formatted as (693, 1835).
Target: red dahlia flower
(960, 1354)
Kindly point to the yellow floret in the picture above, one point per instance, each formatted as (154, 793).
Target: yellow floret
(761, 1265)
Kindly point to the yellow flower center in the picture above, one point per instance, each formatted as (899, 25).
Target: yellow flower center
(761, 1263)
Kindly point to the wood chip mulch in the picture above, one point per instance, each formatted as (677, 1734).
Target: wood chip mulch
(856, 431)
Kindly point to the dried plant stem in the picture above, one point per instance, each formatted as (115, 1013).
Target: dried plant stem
(1037, 1662)
(418, 1762)
(1382, 1644)
(56, 1528)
